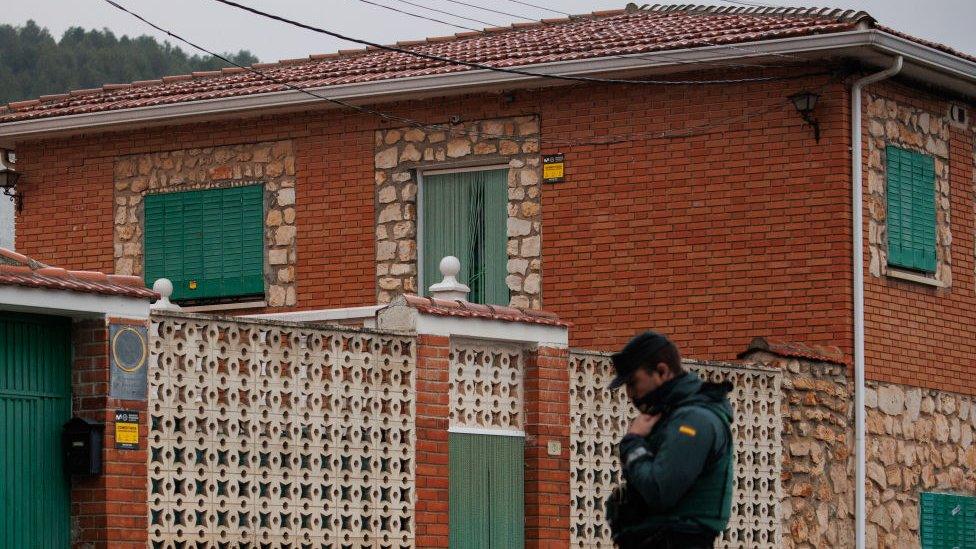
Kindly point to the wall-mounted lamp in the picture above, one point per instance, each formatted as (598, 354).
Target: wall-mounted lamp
(9, 177)
(805, 102)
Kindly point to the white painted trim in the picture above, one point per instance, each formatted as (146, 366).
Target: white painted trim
(225, 306)
(68, 303)
(852, 43)
(928, 280)
(486, 431)
(497, 330)
(420, 211)
(348, 313)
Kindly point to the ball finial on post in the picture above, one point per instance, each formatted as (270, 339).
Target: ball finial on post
(449, 288)
(164, 288)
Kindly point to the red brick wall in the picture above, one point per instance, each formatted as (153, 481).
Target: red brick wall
(915, 334)
(109, 510)
(547, 495)
(433, 453)
(714, 238)
(68, 219)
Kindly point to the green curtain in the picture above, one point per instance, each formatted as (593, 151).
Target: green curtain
(465, 214)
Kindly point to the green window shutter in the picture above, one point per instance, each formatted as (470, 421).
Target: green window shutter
(947, 520)
(487, 497)
(911, 209)
(211, 239)
(465, 214)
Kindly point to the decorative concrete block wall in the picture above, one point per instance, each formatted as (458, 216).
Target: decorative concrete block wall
(401, 153)
(271, 164)
(271, 433)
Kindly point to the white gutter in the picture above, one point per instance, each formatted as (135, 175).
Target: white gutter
(465, 81)
(856, 160)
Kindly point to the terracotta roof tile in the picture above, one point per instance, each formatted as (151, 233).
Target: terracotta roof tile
(601, 34)
(793, 349)
(442, 307)
(19, 270)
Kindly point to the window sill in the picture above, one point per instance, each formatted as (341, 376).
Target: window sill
(914, 277)
(225, 307)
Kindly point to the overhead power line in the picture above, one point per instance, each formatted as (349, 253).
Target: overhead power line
(473, 65)
(610, 139)
(499, 12)
(540, 7)
(411, 14)
(665, 55)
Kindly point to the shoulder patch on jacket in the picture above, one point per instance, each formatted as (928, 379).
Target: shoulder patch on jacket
(687, 430)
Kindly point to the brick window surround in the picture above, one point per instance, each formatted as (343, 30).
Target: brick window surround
(401, 153)
(910, 128)
(270, 163)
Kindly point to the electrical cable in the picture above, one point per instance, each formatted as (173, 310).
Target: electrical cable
(404, 12)
(606, 140)
(658, 55)
(499, 12)
(473, 65)
(540, 7)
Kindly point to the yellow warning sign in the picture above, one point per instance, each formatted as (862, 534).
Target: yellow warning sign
(553, 168)
(127, 429)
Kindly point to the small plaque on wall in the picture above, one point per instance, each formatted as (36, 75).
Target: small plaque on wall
(127, 429)
(553, 168)
(129, 352)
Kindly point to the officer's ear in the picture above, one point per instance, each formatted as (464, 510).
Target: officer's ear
(663, 370)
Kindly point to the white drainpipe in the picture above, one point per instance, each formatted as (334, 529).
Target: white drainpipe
(856, 159)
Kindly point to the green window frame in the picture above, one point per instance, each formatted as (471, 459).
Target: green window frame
(209, 243)
(465, 214)
(947, 520)
(911, 210)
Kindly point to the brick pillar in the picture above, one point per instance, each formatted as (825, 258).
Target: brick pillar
(109, 510)
(433, 453)
(547, 490)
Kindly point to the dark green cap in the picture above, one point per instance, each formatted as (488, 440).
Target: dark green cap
(635, 353)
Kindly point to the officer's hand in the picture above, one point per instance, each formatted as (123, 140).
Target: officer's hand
(642, 425)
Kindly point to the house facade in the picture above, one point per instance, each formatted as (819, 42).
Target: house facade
(700, 202)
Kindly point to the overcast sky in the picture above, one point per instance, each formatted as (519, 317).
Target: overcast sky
(223, 28)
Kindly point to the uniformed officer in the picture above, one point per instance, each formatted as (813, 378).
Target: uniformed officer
(677, 454)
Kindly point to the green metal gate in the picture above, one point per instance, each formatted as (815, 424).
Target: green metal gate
(487, 491)
(35, 401)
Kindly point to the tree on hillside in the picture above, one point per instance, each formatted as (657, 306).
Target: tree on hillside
(33, 63)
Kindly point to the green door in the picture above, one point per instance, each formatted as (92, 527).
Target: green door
(487, 491)
(35, 401)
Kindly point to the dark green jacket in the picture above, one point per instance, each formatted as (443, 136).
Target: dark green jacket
(679, 477)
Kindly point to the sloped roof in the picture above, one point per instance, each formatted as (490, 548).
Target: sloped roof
(443, 307)
(793, 349)
(19, 270)
(600, 34)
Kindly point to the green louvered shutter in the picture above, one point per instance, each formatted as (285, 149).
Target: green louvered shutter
(487, 500)
(911, 209)
(947, 521)
(465, 214)
(209, 243)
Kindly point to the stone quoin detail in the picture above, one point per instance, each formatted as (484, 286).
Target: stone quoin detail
(269, 163)
(891, 123)
(399, 153)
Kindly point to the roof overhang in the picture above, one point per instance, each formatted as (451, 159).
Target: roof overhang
(871, 46)
(69, 303)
